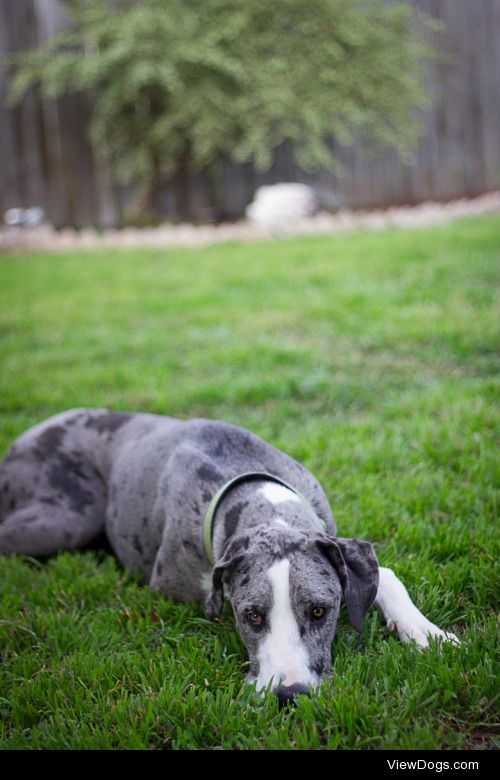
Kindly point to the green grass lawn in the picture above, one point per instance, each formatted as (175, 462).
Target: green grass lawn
(371, 358)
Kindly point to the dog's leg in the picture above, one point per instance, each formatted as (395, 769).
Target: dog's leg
(402, 616)
(52, 496)
(42, 530)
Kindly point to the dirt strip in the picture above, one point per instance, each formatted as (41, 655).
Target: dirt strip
(44, 237)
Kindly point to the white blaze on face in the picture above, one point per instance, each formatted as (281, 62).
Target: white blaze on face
(282, 655)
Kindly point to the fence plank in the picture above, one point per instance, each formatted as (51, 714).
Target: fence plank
(45, 156)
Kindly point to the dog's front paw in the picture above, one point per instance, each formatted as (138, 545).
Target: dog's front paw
(421, 631)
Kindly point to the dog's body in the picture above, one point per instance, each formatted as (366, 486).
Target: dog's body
(146, 481)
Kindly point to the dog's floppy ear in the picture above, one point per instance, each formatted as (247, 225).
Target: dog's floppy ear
(356, 564)
(233, 554)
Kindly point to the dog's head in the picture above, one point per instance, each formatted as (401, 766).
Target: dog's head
(285, 587)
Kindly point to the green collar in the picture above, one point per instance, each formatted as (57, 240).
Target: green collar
(208, 523)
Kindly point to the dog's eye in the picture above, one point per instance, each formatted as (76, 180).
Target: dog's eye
(318, 613)
(254, 618)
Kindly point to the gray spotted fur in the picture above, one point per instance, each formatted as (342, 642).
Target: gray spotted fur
(146, 481)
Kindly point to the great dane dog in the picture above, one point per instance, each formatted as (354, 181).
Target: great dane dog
(200, 507)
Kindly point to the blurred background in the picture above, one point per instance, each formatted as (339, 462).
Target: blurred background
(206, 150)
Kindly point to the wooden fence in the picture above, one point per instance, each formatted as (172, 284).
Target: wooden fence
(46, 160)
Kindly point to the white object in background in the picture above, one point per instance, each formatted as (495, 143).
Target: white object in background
(18, 217)
(278, 206)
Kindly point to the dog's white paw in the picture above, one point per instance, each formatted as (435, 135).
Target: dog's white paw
(421, 631)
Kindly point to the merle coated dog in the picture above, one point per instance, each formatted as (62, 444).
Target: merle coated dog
(203, 508)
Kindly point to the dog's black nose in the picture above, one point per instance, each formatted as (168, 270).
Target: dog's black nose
(286, 694)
